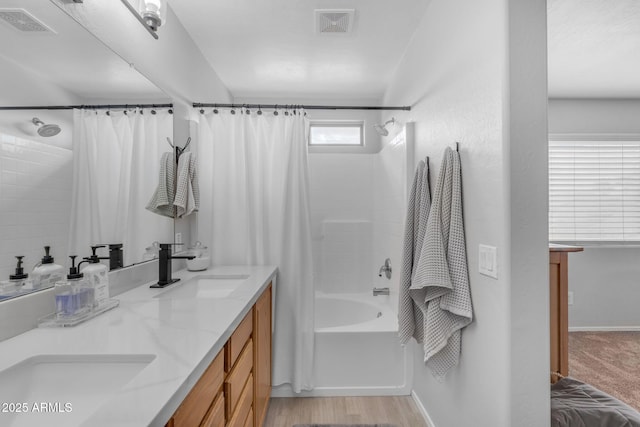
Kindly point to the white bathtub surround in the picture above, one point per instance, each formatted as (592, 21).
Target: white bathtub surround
(410, 312)
(441, 278)
(255, 210)
(391, 184)
(345, 256)
(357, 348)
(116, 168)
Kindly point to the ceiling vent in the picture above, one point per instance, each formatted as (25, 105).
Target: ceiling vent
(335, 21)
(22, 20)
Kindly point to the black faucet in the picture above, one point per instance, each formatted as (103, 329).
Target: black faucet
(116, 256)
(164, 265)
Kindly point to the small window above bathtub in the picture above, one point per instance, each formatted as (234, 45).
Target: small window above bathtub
(336, 134)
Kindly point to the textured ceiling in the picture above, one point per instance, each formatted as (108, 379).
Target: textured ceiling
(70, 58)
(594, 48)
(269, 48)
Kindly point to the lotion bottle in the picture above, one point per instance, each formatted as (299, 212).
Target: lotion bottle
(74, 296)
(17, 283)
(97, 276)
(47, 273)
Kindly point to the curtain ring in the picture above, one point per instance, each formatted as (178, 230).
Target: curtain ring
(259, 111)
(170, 111)
(275, 110)
(201, 111)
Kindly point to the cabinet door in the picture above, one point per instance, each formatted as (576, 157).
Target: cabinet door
(197, 403)
(262, 352)
(215, 417)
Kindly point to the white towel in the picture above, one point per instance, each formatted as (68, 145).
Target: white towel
(410, 314)
(187, 198)
(441, 278)
(162, 200)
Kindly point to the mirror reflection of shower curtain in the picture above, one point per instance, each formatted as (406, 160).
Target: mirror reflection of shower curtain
(254, 209)
(116, 160)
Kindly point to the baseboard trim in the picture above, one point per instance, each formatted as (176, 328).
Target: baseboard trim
(604, 329)
(422, 409)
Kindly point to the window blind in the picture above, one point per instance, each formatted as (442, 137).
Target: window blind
(594, 191)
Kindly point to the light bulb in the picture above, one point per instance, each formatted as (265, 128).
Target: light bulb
(152, 6)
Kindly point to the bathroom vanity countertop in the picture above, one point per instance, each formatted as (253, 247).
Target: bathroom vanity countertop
(183, 333)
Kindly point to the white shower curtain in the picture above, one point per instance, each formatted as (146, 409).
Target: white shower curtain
(254, 209)
(116, 160)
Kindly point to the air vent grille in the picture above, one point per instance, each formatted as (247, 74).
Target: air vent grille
(339, 21)
(22, 20)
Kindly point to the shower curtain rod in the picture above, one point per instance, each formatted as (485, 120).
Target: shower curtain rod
(306, 107)
(85, 106)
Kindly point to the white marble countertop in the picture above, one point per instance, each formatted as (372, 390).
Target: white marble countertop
(184, 334)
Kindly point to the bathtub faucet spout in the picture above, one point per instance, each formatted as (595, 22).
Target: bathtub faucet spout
(380, 291)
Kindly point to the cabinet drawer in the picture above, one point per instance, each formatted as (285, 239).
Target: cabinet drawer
(215, 417)
(238, 340)
(249, 421)
(237, 378)
(239, 416)
(195, 406)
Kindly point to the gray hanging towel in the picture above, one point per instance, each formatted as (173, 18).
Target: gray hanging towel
(410, 314)
(441, 279)
(187, 198)
(161, 202)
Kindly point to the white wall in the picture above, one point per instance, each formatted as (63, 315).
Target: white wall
(467, 82)
(594, 116)
(173, 62)
(604, 281)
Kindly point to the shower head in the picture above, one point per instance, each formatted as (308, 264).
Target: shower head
(45, 130)
(382, 129)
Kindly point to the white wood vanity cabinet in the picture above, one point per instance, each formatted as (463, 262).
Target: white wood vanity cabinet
(234, 390)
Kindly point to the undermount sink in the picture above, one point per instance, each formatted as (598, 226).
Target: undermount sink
(206, 286)
(65, 389)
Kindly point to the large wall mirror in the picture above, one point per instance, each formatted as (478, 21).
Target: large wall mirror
(48, 59)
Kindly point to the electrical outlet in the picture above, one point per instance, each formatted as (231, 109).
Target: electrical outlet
(178, 240)
(570, 299)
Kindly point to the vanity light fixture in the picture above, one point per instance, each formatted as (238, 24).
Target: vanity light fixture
(150, 13)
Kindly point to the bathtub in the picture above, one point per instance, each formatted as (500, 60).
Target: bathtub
(357, 351)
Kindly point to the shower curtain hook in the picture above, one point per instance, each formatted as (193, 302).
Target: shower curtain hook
(259, 110)
(275, 110)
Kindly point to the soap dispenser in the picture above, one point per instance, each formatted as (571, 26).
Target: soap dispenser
(74, 296)
(17, 282)
(97, 276)
(47, 273)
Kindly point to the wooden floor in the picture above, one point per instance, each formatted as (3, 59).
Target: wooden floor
(398, 410)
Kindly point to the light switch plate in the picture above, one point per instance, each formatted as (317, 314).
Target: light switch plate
(488, 261)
